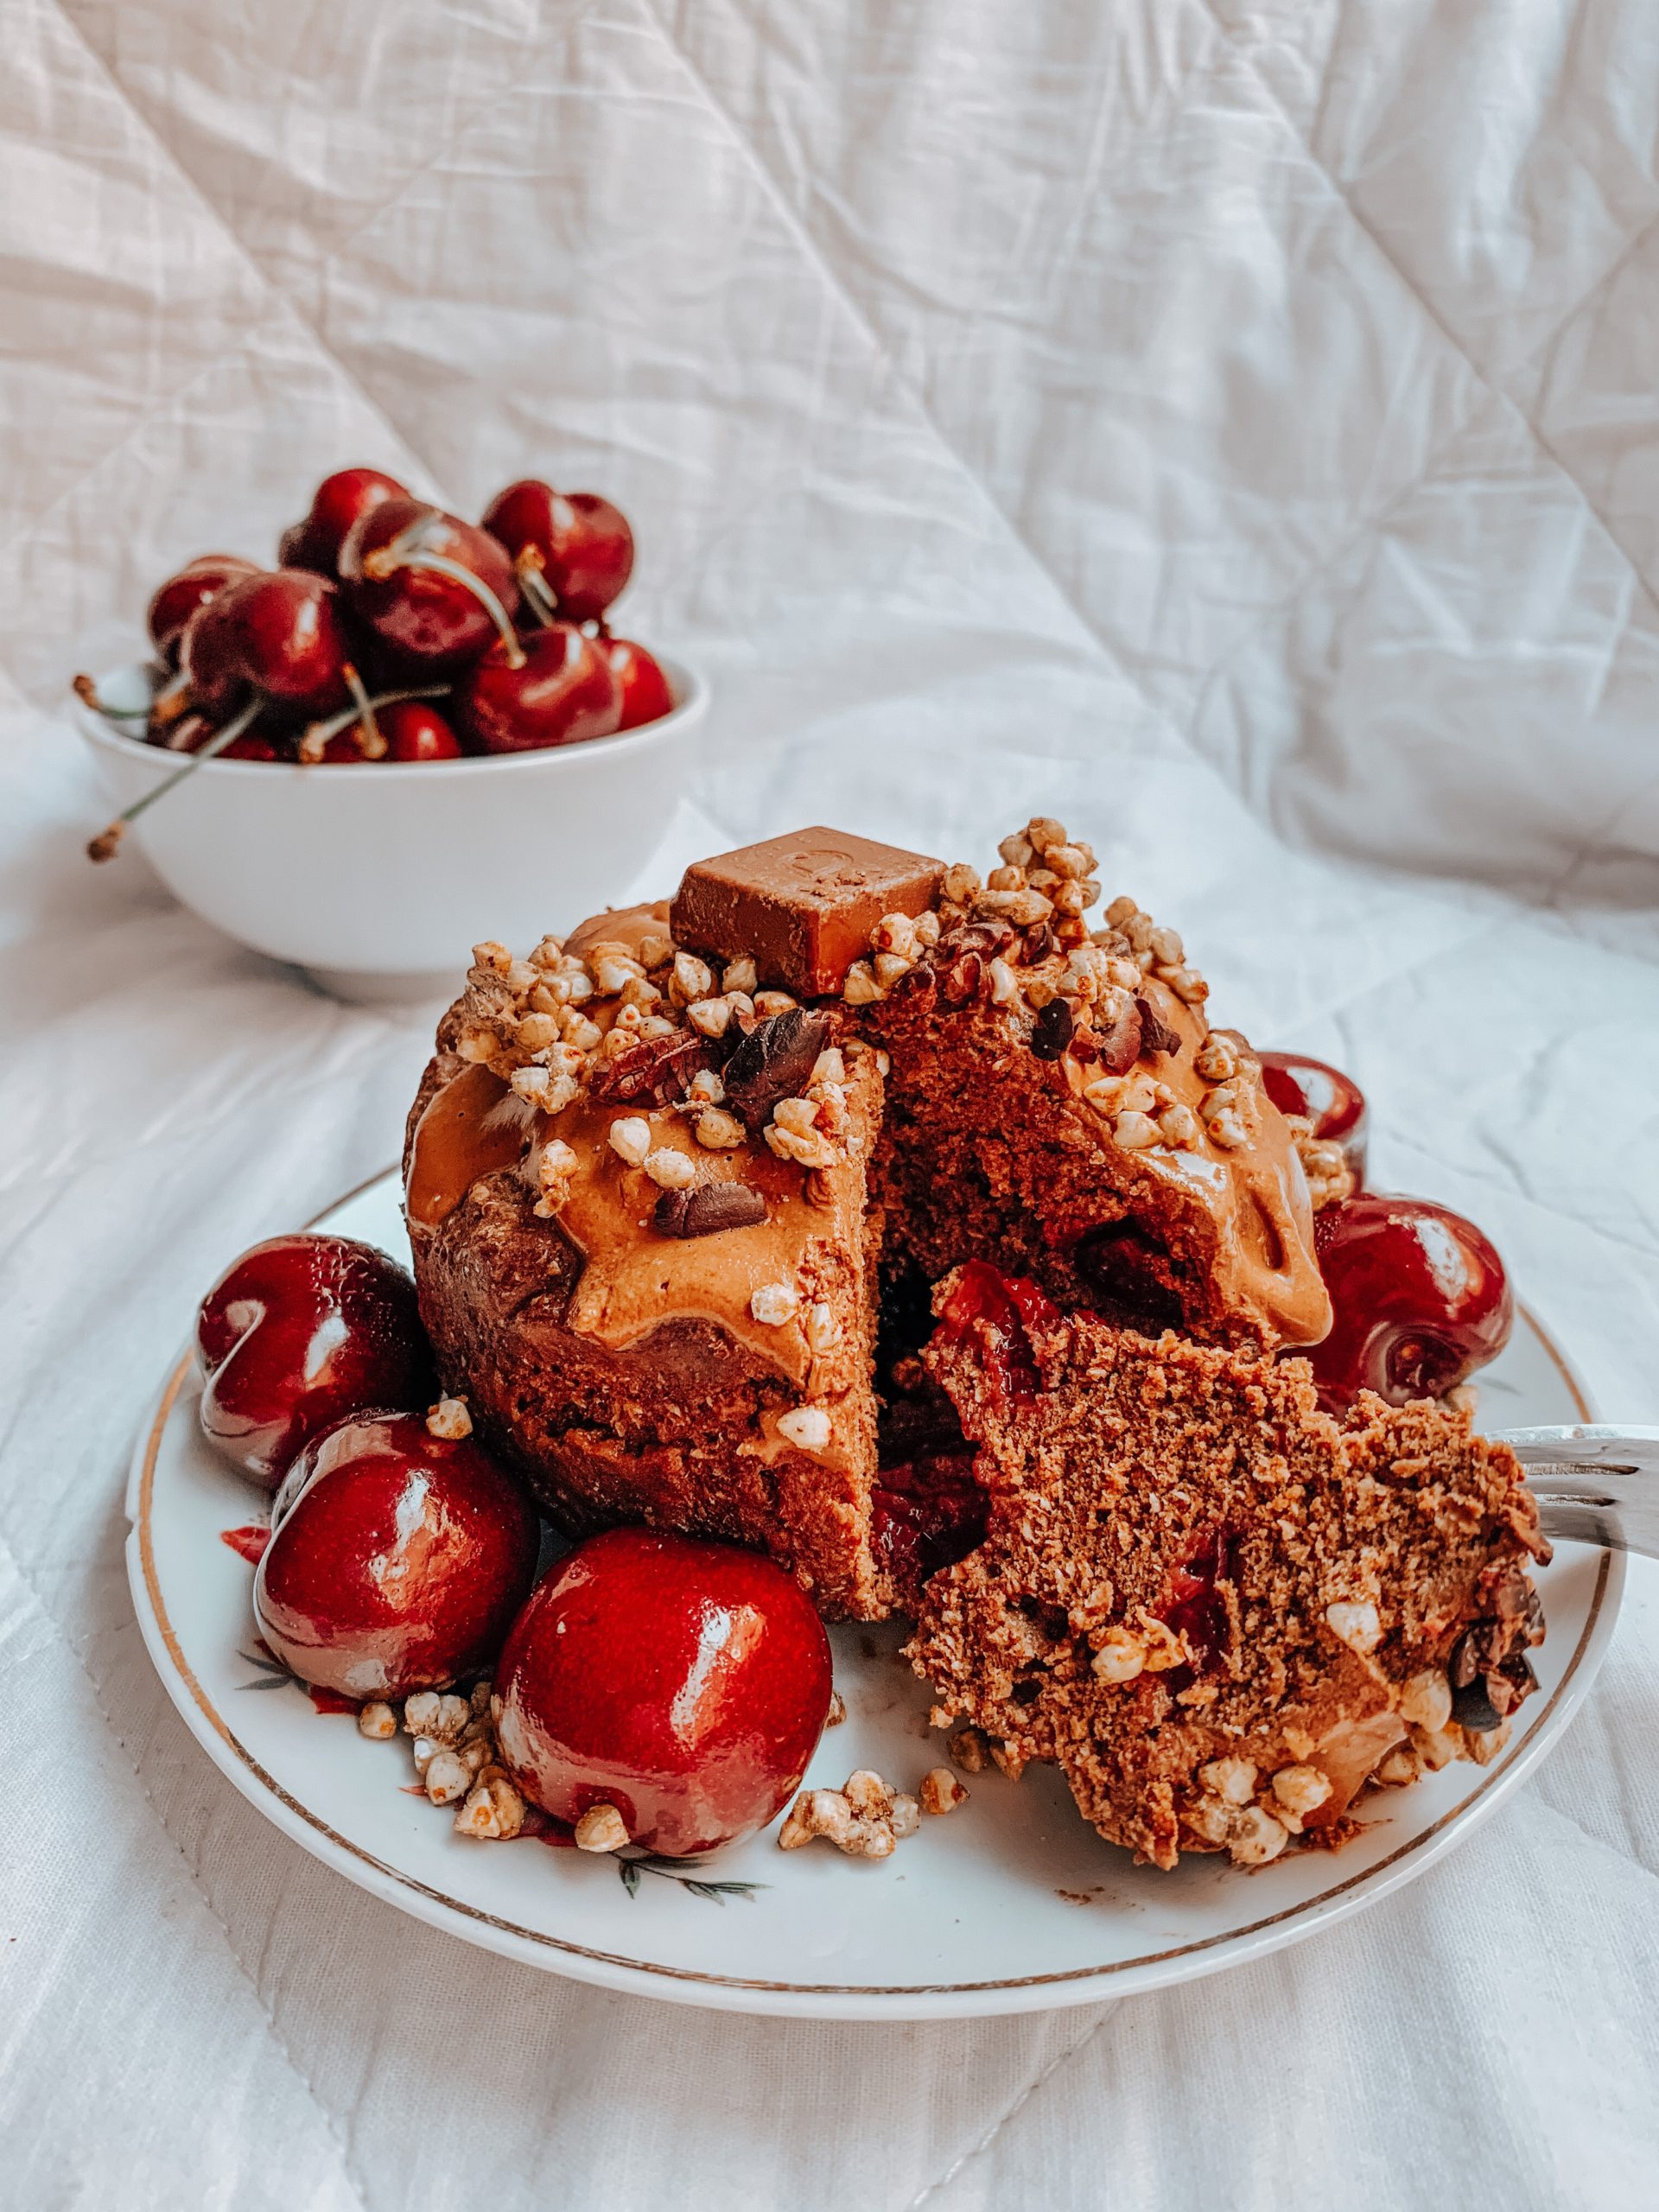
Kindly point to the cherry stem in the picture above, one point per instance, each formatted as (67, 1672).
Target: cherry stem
(370, 743)
(86, 691)
(103, 847)
(406, 551)
(317, 734)
(539, 593)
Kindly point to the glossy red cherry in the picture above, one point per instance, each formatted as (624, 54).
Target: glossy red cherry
(1418, 1295)
(278, 634)
(413, 731)
(335, 505)
(396, 1562)
(1333, 1101)
(562, 692)
(575, 546)
(297, 1332)
(434, 591)
(645, 695)
(684, 1683)
(193, 585)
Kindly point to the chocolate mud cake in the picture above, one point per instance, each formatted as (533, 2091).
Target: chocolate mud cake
(1218, 1610)
(660, 1173)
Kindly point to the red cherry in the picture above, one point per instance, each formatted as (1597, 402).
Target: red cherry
(298, 1332)
(1418, 1295)
(413, 731)
(278, 634)
(577, 546)
(1333, 1101)
(562, 692)
(397, 1559)
(645, 695)
(926, 1512)
(684, 1683)
(193, 585)
(335, 505)
(435, 590)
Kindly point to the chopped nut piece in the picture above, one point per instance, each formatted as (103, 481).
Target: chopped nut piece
(602, 1828)
(613, 974)
(768, 1003)
(1004, 984)
(719, 1130)
(741, 976)
(861, 988)
(1186, 983)
(494, 1811)
(905, 1816)
(837, 1712)
(799, 1115)
(807, 1427)
(1045, 834)
(1301, 1789)
(1214, 1060)
(1398, 1769)
(961, 884)
(478, 1697)
(1256, 1838)
(706, 1088)
(1227, 1128)
(939, 1791)
(1437, 1747)
(447, 1777)
(693, 979)
(1232, 1780)
(449, 1420)
(670, 1170)
(1426, 1701)
(969, 1748)
(631, 1139)
(656, 951)
(428, 1712)
(711, 1017)
(1136, 1132)
(822, 1330)
(377, 1721)
(1179, 1125)
(1120, 1657)
(1356, 1624)
(773, 1304)
(1017, 851)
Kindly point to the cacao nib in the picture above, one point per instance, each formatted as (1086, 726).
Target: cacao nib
(1040, 943)
(1156, 1035)
(1471, 1706)
(1083, 1046)
(706, 1209)
(774, 1061)
(658, 1068)
(1052, 1031)
(1464, 1664)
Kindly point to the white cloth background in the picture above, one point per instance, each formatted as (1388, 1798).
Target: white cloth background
(1233, 429)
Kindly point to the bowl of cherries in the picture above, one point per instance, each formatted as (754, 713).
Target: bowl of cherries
(412, 733)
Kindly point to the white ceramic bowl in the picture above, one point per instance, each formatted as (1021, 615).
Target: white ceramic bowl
(379, 878)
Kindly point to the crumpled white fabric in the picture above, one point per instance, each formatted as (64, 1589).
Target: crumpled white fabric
(1233, 429)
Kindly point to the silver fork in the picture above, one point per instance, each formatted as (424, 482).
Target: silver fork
(1594, 1485)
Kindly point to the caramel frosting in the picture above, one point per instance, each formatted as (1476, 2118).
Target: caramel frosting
(636, 1278)
(1255, 1194)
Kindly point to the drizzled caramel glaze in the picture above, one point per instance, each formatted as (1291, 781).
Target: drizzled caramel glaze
(1255, 1194)
(635, 1278)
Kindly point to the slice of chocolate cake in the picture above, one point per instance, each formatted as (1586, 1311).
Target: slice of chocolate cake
(1218, 1610)
(653, 1167)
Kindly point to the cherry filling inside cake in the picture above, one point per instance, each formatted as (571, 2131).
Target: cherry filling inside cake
(1218, 1610)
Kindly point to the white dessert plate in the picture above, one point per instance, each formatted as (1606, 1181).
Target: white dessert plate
(1009, 1904)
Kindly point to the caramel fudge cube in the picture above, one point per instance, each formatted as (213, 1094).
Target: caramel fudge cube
(801, 906)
